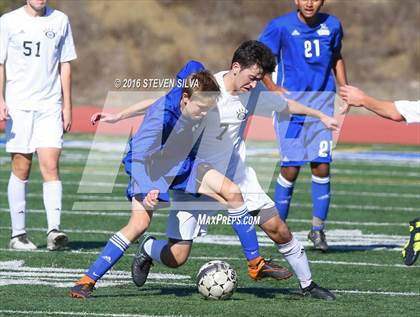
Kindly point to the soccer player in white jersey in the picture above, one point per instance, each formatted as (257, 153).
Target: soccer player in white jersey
(401, 110)
(36, 47)
(222, 145)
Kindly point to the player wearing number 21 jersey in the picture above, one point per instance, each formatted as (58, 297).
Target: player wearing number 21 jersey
(307, 45)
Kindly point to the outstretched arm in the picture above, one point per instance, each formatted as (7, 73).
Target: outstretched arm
(355, 97)
(295, 107)
(135, 110)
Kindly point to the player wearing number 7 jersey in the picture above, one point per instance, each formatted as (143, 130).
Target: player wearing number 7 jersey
(36, 47)
(307, 45)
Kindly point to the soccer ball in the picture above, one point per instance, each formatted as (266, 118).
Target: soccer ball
(216, 280)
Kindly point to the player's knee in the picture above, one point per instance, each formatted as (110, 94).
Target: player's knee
(234, 196)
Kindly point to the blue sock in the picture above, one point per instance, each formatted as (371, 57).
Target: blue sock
(283, 195)
(112, 252)
(321, 196)
(242, 223)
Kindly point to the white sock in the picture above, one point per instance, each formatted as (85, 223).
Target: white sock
(295, 255)
(16, 193)
(154, 248)
(53, 194)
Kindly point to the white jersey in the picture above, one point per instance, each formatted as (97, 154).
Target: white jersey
(31, 49)
(410, 110)
(222, 144)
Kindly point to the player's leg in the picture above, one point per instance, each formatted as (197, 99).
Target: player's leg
(320, 147)
(219, 187)
(293, 251)
(47, 140)
(19, 128)
(182, 227)
(139, 222)
(52, 196)
(290, 142)
(16, 193)
(215, 184)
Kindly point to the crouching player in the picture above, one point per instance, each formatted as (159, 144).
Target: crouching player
(222, 143)
(160, 158)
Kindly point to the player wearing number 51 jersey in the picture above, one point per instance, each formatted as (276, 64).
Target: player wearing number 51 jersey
(307, 45)
(36, 46)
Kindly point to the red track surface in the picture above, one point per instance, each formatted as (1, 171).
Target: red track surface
(355, 129)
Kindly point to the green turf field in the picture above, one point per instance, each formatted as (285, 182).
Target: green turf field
(373, 200)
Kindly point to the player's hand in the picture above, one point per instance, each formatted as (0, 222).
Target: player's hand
(104, 117)
(352, 96)
(3, 111)
(151, 199)
(67, 115)
(330, 123)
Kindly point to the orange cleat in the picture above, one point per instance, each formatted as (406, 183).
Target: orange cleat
(260, 268)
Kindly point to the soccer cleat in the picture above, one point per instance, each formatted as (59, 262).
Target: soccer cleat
(56, 240)
(141, 263)
(21, 242)
(318, 239)
(260, 268)
(411, 249)
(83, 288)
(315, 291)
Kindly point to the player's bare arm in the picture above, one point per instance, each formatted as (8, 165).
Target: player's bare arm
(137, 109)
(3, 107)
(356, 97)
(297, 108)
(65, 75)
(339, 68)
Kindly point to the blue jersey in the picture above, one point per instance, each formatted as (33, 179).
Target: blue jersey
(305, 57)
(163, 150)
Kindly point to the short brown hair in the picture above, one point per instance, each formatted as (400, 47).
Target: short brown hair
(200, 82)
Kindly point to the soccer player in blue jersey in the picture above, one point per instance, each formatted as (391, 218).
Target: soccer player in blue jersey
(162, 156)
(307, 45)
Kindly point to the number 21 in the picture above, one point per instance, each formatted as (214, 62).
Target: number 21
(308, 48)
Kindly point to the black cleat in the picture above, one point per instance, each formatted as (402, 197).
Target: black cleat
(315, 291)
(318, 239)
(411, 249)
(141, 264)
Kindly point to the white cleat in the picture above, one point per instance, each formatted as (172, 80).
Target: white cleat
(56, 240)
(21, 242)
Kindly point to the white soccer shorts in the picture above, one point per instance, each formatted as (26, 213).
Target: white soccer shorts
(184, 224)
(27, 130)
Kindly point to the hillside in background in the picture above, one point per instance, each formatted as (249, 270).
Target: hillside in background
(151, 39)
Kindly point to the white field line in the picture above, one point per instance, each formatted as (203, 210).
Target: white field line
(372, 181)
(165, 214)
(206, 258)
(348, 291)
(64, 313)
(337, 238)
(334, 193)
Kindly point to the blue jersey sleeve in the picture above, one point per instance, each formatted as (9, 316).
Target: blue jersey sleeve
(271, 36)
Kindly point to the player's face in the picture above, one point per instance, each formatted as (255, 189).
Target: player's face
(309, 8)
(37, 5)
(246, 79)
(196, 108)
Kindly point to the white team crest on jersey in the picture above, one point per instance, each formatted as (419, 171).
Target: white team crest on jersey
(50, 33)
(295, 33)
(241, 114)
(323, 30)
